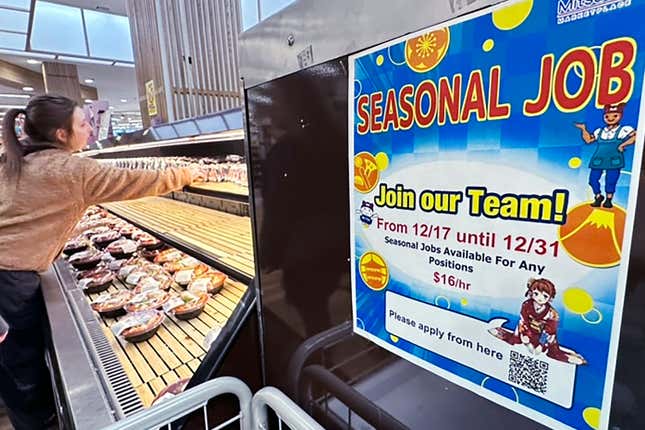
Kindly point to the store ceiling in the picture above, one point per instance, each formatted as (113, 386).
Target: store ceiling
(113, 83)
(111, 6)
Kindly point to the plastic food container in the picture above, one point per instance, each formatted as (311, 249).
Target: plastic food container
(85, 259)
(140, 326)
(111, 305)
(147, 300)
(97, 282)
(123, 248)
(211, 283)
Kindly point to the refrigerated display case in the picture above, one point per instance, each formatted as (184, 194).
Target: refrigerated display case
(99, 376)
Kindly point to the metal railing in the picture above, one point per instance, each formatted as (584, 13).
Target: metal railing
(165, 413)
(253, 412)
(286, 410)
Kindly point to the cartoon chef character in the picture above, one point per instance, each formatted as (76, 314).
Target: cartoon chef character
(366, 213)
(611, 141)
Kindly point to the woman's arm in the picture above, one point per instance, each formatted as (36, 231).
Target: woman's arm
(101, 183)
(586, 136)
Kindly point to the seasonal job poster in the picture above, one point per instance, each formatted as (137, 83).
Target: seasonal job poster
(495, 165)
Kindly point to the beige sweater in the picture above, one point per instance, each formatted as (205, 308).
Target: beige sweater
(39, 211)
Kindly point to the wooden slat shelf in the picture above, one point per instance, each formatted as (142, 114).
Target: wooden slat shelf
(176, 350)
(225, 237)
(222, 187)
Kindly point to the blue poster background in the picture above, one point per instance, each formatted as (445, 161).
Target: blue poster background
(543, 145)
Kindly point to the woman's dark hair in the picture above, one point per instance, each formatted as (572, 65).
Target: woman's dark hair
(43, 116)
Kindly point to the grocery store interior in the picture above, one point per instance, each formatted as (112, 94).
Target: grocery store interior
(246, 272)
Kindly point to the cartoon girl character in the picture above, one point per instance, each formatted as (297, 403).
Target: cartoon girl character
(611, 142)
(538, 325)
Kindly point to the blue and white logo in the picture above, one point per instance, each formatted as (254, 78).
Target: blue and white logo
(573, 10)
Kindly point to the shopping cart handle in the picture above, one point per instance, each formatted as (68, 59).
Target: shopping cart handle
(286, 410)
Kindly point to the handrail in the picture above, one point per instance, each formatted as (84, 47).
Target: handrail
(308, 348)
(286, 410)
(192, 399)
(354, 400)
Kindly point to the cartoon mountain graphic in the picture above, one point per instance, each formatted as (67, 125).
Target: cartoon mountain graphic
(594, 236)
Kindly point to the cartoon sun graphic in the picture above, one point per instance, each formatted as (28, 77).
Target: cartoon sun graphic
(425, 52)
(594, 236)
(426, 45)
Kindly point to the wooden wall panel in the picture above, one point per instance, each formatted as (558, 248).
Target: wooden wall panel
(197, 45)
(62, 79)
(147, 55)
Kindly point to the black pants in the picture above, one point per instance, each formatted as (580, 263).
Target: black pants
(25, 385)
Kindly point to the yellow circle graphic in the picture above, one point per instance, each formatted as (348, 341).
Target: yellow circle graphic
(380, 60)
(578, 301)
(394, 339)
(425, 52)
(382, 161)
(592, 417)
(512, 16)
(464, 302)
(488, 45)
(575, 162)
(374, 271)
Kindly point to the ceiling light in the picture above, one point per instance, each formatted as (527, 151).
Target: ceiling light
(89, 81)
(124, 100)
(15, 96)
(28, 89)
(121, 64)
(88, 101)
(12, 106)
(32, 61)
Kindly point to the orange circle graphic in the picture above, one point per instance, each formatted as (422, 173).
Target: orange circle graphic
(425, 52)
(594, 236)
(374, 271)
(366, 172)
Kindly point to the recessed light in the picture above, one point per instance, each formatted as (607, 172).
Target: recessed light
(15, 96)
(88, 101)
(89, 81)
(32, 61)
(122, 100)
(28, 89)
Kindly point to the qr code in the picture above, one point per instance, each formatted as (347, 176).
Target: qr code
(528, 372)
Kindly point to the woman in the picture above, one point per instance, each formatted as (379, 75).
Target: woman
(44, 191)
